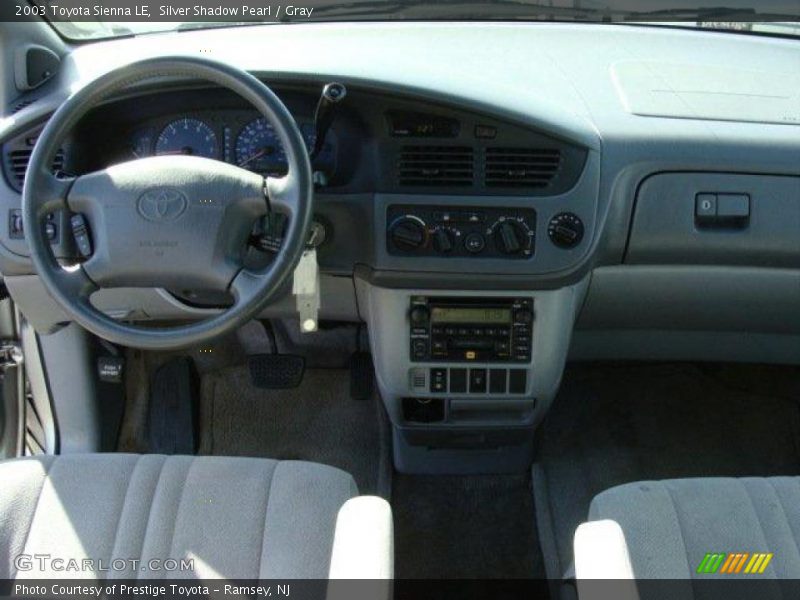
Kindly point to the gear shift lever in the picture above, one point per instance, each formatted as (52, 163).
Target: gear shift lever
(332, 94)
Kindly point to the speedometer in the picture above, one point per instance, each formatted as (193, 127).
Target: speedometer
(188, 136)
(259, 149)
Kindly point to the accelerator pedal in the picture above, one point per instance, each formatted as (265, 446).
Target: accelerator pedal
(173, 408)
(361, 375)
(276, 371)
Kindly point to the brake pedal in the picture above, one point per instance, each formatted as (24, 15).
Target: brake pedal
(361, 375)
(276, 371)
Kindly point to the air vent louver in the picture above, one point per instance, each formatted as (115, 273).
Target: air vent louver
(521, 167)
(20, 105)
(18, 165)
(436, 166)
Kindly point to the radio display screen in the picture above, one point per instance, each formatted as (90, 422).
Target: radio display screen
(489, 316)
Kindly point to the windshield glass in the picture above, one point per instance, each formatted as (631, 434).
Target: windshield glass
(94, 19)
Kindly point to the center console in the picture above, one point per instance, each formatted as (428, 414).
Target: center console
(466, 375)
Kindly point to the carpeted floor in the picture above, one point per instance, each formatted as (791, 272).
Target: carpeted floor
(476, 527)
(612, 424)
(317, 421)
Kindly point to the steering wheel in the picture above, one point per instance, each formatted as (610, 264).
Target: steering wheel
(178, 222)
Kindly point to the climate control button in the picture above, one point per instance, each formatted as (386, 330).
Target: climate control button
(474, 242)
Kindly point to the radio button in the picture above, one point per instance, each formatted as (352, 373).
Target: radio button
(477, 381)
(438, 380)
(517, 381)
(458, 381)
(497, 381)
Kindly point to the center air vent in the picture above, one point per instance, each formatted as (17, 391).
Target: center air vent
(521, 167)
(435, 166)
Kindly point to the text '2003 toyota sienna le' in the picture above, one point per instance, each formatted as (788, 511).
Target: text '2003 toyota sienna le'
(391, 298)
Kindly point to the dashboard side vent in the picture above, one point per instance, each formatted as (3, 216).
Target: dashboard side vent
(436, 166)
(521, 167)
(21, 104)
(17, 164)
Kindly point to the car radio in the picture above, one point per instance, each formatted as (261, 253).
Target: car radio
(470, 329)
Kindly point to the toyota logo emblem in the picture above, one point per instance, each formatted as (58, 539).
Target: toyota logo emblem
(162, 204)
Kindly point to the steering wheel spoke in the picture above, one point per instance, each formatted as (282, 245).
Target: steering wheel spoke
(283, 195)
(53, 193)
(246, 286)
(75, 282)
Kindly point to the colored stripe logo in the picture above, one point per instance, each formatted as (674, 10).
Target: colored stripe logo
(733, 563)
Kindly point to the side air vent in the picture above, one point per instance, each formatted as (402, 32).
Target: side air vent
(17, 165)
(521, 167)
(20, 105)
(436, 166)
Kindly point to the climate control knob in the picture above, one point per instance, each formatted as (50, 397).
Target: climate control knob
(443, 241)
(408, 233)
(510, 237)
(565, 230)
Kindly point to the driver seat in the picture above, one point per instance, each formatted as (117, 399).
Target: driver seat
(233, 518)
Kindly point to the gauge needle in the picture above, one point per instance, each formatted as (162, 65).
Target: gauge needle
(258, 154)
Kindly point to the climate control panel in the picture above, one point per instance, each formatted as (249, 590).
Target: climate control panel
(464, 232)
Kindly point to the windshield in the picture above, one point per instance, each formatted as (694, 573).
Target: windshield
(93, 19)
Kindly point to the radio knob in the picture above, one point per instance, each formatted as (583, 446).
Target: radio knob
(443, 241)
(408, 234)
(419, 316)
(523, 315)
(509, 237)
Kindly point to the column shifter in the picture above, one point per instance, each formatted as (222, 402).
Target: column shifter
(332, 94)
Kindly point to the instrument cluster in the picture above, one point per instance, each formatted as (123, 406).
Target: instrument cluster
(242, 138)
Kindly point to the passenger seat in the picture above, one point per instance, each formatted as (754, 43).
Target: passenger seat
(666, 529)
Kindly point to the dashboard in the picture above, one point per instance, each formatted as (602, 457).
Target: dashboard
(558, 132)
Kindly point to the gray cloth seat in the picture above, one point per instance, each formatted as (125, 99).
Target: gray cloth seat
(669, 526)
(237, 518)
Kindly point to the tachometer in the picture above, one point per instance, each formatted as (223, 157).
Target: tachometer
(259, 149)
(188, 136)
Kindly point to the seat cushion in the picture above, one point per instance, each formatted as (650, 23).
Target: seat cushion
(670, 526)
(238, 518)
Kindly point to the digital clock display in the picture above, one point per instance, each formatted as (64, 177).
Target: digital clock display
(483, 315)
(416, 125)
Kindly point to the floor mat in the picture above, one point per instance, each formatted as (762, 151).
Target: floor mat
(615, 424)
(317, 421)
(453, 527)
